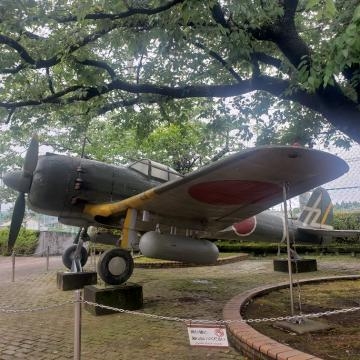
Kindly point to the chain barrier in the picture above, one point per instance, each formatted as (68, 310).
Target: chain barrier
(296, 318)
(206, 321)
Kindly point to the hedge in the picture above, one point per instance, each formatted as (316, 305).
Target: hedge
(26, 242)
(260, 249)
(346, 220)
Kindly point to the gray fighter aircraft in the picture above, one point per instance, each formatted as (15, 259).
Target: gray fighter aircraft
(176, 216)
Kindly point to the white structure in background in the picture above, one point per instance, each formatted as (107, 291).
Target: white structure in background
(347, 187)
(39, 222)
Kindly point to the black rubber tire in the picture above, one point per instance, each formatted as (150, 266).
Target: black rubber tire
(68, 256)
(103, 266)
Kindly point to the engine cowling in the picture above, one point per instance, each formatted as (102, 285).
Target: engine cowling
(178, 248)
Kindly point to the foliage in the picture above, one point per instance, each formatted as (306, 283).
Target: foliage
(347, 220)
(26, 242)
(181, 142)
(76, 69)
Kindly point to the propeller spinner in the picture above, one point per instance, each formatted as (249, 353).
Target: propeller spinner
(21, 182)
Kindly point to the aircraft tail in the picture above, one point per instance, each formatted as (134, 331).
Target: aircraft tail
(318, 212)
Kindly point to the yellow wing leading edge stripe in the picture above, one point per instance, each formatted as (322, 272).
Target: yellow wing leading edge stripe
(134, 202)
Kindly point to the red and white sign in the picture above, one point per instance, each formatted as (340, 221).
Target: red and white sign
(208, 335)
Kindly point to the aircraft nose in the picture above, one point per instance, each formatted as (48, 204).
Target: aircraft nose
(17, 181)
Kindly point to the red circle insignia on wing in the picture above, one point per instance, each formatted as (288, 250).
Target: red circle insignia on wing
(233, 192)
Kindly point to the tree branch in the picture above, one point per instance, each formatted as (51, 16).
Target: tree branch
(50, 83)
(219, 16)
(267, 59)
(18, 48)
(38, 64)
(11, 113)
(129, 102)
(99, 64)
(130, 12)
(329, 101)
(218, 58)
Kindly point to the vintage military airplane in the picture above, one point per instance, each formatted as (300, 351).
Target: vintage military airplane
(176, 215)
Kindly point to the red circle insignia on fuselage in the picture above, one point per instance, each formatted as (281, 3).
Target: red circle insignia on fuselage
(245, 227)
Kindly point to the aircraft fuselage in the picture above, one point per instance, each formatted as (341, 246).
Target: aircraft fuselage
(267, 226)
(61, 186)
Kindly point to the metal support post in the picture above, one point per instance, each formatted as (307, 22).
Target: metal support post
(89, 250)
(288, 248)
(77, 326)
(76, 263)
(47, 257)
(13, 266)
(95, 259)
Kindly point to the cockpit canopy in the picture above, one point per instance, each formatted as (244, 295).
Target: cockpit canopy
(154, 170)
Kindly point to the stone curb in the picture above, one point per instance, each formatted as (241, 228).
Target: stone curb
(175, 264)
(254, 344)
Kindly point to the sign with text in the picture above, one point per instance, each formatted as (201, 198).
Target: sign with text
(208, 335)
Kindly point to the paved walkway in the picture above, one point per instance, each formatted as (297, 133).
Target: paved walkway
(198, 293)
(26, 265)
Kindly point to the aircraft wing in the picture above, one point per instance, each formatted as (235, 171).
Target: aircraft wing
(331, 232)
(234, 188)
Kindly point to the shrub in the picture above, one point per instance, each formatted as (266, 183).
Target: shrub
(347, 220)
(26, 242)
(260, 249)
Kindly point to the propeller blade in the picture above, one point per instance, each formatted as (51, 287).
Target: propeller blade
(31, 157)
(16, 221)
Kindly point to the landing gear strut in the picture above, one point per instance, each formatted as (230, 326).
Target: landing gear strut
(115, 266)
(75, 256)
(69, 255)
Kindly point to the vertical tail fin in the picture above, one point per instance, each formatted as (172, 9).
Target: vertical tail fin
(318, 212)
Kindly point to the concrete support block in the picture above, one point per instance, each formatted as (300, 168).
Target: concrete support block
(127, 296)
(297, 266)
(73, 281)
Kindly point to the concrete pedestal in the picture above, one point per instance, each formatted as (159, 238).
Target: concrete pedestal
(126, 296)
(73, 281)
(304, 327)
(297, 266)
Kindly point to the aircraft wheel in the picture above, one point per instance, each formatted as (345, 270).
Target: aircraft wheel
(68, 256)
(115, 266)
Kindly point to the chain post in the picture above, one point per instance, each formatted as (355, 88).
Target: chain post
(47, 257)
(77, 325)
(13, 266)
(296, 265)
(288, 249)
